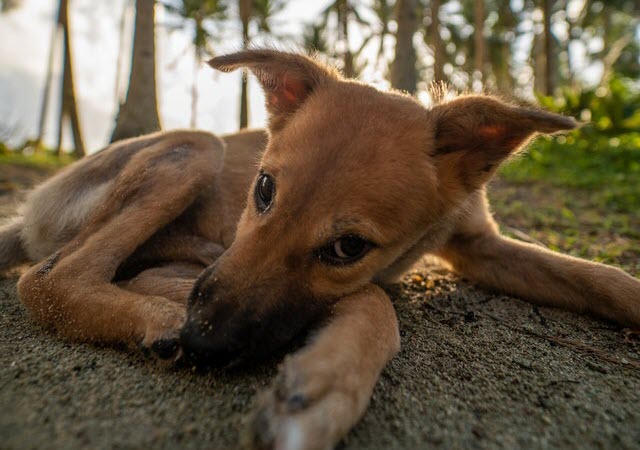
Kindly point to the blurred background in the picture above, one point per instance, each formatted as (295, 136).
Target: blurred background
(78, 74)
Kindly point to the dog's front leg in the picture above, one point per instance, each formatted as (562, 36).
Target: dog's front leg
(545, 277)
(324, 389)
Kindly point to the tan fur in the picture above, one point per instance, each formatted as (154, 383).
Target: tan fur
(127, 230)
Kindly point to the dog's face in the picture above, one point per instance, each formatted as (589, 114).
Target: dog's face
(351, 179)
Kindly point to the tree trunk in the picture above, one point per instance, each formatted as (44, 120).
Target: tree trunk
(478, 38)
(69, 106)
(47, 84)
(403, 68)
(245, 16)
(139, 113)
(343, 31)
(548, 48)
(436, 42)
(123, 21)
(194, 87)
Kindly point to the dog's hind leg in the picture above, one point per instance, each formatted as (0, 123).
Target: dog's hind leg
(528, 271)
(72, 291)
(324, 389)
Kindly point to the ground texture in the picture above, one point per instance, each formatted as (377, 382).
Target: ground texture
(477, 369)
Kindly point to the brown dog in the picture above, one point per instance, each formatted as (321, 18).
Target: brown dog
(355, 185)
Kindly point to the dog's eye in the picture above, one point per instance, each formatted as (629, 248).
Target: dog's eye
(346, 250)
(265, 190)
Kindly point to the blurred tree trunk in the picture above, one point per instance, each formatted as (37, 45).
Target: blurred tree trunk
(499, 49)
(245, 17)
(538, 63)
(69, 108)
(47, 83)
(197, 57)
(119, 61)
(139, 112)
(478, 37)
(403, 68)
(383, 8)
(343, 36)
(436, 42)
(549, 71)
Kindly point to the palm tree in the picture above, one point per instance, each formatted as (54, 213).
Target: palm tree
(403, 69)
(259, 12)
(139, 112)
(549, 70)
(69, 107)
(341, 14)
(333, 32)
(433, 37)
(200, 13)
(500, 49)
(314, 39)
(478, 37)
(615, 22)
(245, 8)
(385, 12)
(121, 52)
(47, 84)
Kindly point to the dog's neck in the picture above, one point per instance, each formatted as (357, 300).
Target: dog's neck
(428, 240)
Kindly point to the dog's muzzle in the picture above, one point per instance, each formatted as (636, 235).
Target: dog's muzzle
(225, 327)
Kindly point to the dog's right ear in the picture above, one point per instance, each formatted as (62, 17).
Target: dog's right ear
(287, 78)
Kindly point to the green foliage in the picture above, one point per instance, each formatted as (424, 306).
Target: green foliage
(602, 157)
(45, 160)
(202, 13)
(609, 167)
(609, 110)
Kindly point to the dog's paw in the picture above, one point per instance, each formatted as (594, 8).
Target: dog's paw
(162, 336)
(310, 406)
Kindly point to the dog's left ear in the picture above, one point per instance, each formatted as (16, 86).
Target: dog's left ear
(287, 78)
(474, 134)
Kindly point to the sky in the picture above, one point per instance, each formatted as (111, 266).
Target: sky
(25, 38)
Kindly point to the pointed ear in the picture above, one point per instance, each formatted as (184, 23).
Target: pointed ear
(474, 134)
(287, 78)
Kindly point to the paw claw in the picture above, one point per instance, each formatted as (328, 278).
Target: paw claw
(297, 402)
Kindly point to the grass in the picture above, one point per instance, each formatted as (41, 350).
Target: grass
(578, 194)
(608, 167)
(40, 160)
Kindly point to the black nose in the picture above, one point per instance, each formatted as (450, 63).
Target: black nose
(201, 349)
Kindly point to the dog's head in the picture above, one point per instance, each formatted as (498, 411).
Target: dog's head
(350, 179)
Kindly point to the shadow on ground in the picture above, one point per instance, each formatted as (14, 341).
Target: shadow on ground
(477, 370)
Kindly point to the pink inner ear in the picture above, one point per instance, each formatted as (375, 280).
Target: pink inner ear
(502, 136)
(289, 94)
(492, 132)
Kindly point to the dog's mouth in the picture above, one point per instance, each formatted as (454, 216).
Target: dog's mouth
(198, 352)
(220, 342)
(233, 336)
(239, 340)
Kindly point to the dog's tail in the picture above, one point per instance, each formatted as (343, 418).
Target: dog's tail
(12, 251)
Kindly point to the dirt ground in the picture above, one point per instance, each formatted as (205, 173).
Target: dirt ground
(477, 370)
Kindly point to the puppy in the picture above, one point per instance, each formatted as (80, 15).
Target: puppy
(180, 242)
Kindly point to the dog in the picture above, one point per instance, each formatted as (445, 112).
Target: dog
(224, 249)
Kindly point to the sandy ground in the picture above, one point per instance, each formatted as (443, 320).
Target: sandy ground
(477, 370)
